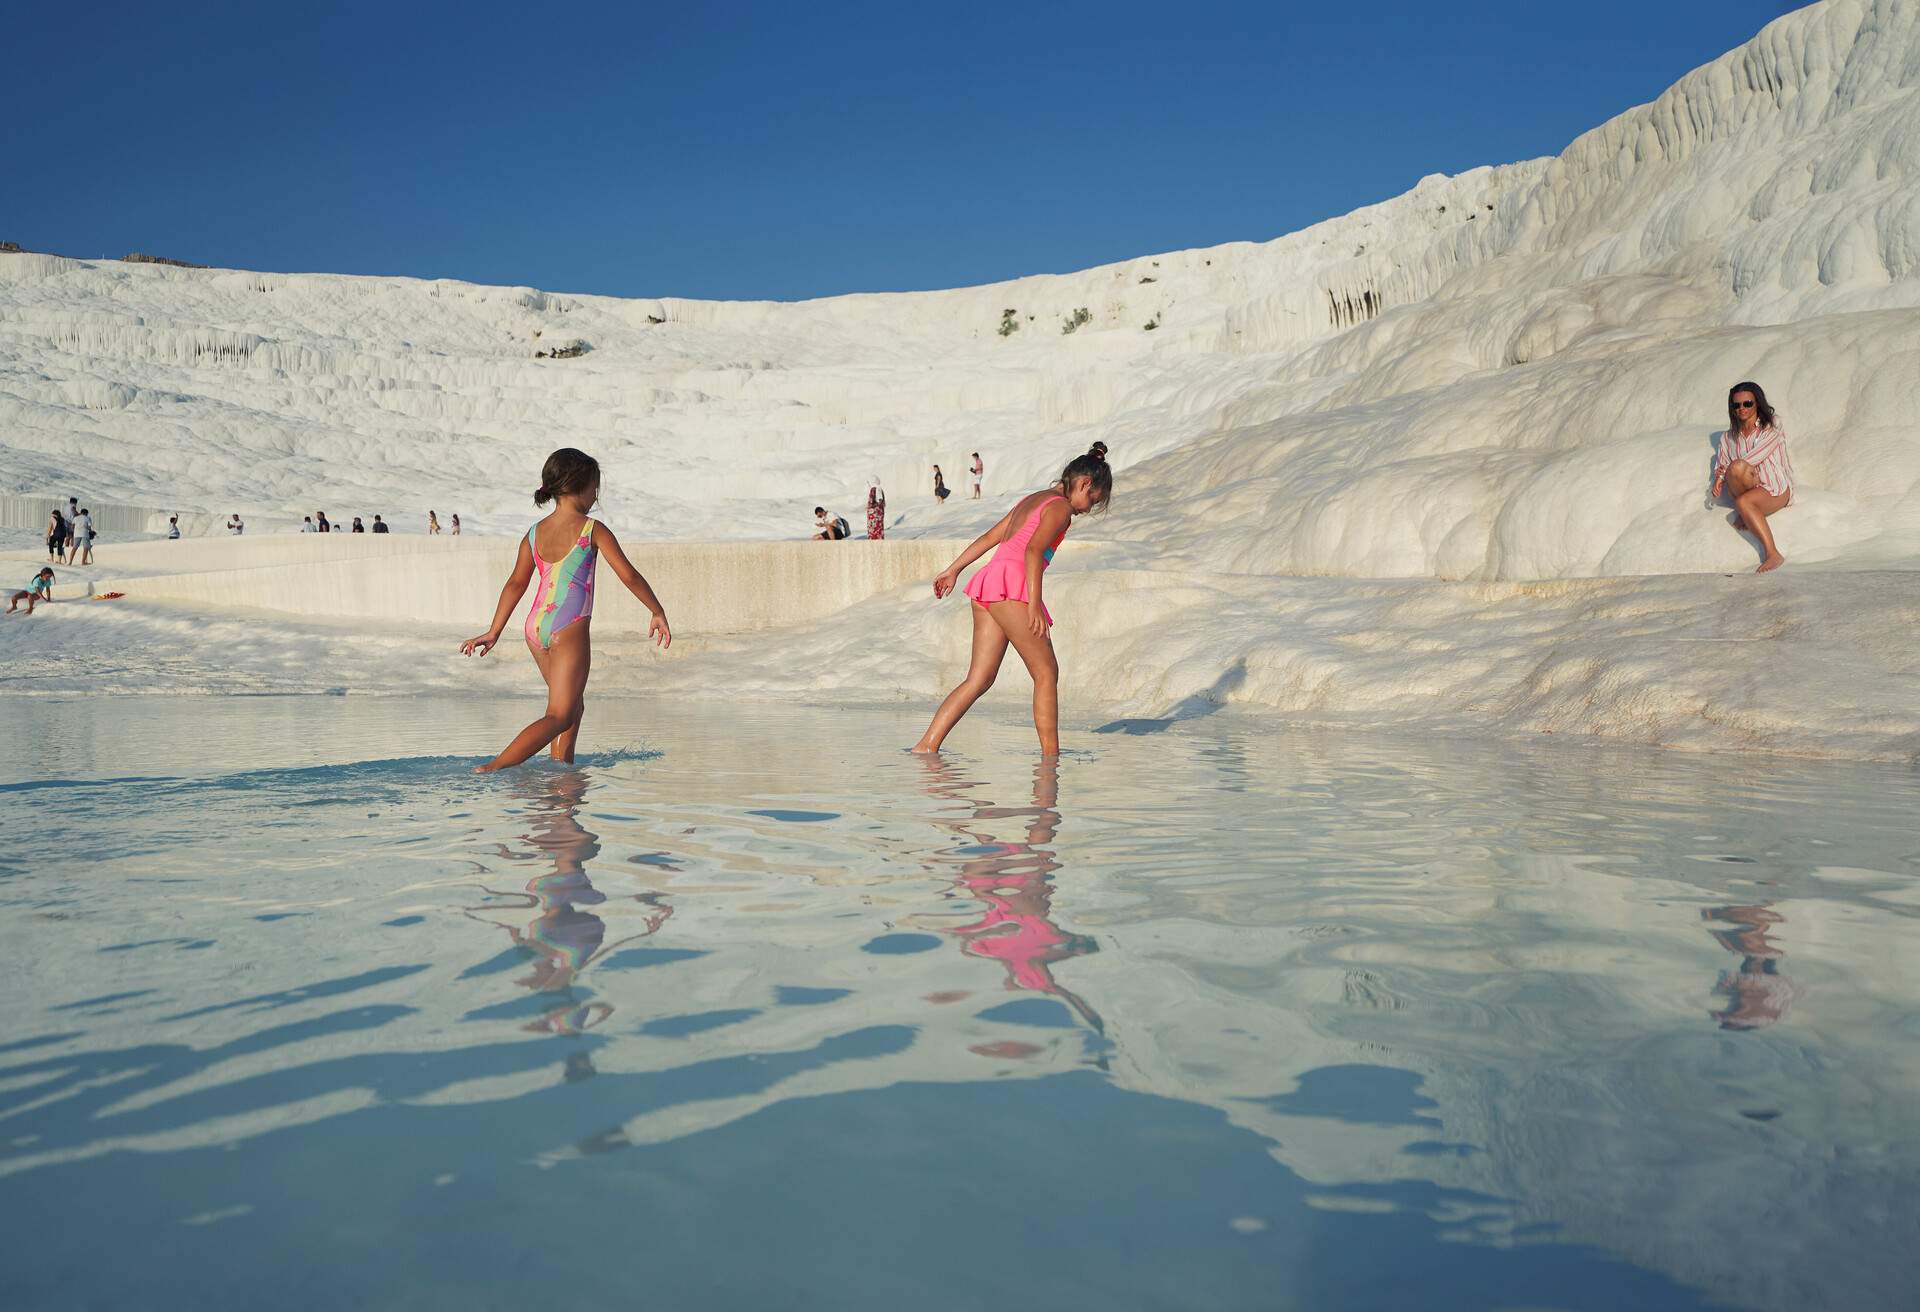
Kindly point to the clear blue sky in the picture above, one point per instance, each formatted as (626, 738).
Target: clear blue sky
(782, 150)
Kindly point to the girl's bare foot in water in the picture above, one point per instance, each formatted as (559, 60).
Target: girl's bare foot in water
(1775, 561)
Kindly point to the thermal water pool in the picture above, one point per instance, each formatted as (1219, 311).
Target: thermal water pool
(759, 1011)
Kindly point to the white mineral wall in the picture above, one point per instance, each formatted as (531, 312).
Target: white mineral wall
(388, 579)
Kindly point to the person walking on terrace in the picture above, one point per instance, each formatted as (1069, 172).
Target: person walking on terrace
(563, 548)
(1751, 466)
(56, 536)
(1007, 609)
(876, 510)
(80, 538)
(978, 469)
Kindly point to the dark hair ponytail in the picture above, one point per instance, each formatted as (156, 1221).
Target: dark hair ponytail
(1093, 466)
(566, 471)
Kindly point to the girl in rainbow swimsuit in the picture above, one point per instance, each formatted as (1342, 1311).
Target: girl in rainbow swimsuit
(1006, 596)
(563, 548)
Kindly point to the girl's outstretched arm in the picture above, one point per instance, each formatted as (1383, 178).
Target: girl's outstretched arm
(510, 595)
(949, 578)
(1053, 522)
(609, 547)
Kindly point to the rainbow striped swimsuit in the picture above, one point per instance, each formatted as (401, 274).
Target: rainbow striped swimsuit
(565, 593)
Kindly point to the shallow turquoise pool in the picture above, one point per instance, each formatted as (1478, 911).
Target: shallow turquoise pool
(759, 1012)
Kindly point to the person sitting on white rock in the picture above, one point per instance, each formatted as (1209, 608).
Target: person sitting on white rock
(1751, 463)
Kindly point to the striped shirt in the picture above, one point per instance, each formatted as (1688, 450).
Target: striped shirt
(1766, 451)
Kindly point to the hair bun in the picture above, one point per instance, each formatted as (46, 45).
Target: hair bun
(1098, 451)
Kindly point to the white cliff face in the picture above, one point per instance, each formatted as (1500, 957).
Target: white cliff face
(1513, 374)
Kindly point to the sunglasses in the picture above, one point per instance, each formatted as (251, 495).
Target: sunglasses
(1739, 405)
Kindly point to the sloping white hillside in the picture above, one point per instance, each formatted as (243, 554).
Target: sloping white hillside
(1513, 374)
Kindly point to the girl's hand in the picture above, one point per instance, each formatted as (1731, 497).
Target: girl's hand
(945, 582)
(659, 631)
(1036, 618)
(1719, 482)
(479, 646)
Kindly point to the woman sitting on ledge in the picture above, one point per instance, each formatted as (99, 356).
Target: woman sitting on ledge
(1751, 464)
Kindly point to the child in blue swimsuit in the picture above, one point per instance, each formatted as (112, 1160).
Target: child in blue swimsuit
(41, 589)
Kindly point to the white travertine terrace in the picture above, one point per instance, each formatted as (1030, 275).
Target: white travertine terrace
(1498, 380)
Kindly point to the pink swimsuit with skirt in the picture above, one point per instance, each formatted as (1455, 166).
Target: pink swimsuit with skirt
(1004, 576)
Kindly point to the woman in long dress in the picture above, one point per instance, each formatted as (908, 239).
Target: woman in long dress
(876, 510)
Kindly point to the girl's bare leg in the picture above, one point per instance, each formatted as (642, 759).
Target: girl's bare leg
(1011, 616)
(565, 666)
(1754, 506)
(989, 649)
(562, 745)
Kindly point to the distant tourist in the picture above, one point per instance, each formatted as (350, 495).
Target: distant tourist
(173, 528)
(559, 621)
(37, 591)
(306, 524)
(978, 469)
(828, 528)
(56, 536)
(1007, 608)
(1751, 464)
(876, 510)
(456, 526)
(940, 489)
(321, 521)
(378, 525)
(358, 527)
(73, 509)
(234, 526)
(433, 523)
(80, 538)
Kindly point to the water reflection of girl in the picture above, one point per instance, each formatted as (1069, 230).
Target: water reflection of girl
(564, 939)
(1012, 880)
(1757, 994)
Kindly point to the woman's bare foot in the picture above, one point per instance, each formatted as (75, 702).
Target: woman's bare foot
(488, 768)
(921, 749)
(1775, 561)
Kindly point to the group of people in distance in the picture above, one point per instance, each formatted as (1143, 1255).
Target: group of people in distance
(976, 470)
(319, 523)
(70, 534)
(829, 527)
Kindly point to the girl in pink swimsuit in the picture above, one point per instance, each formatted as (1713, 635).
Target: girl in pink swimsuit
(1007, 608)
(564, 547)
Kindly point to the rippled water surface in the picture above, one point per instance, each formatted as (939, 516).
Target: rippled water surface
(759, 1012)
